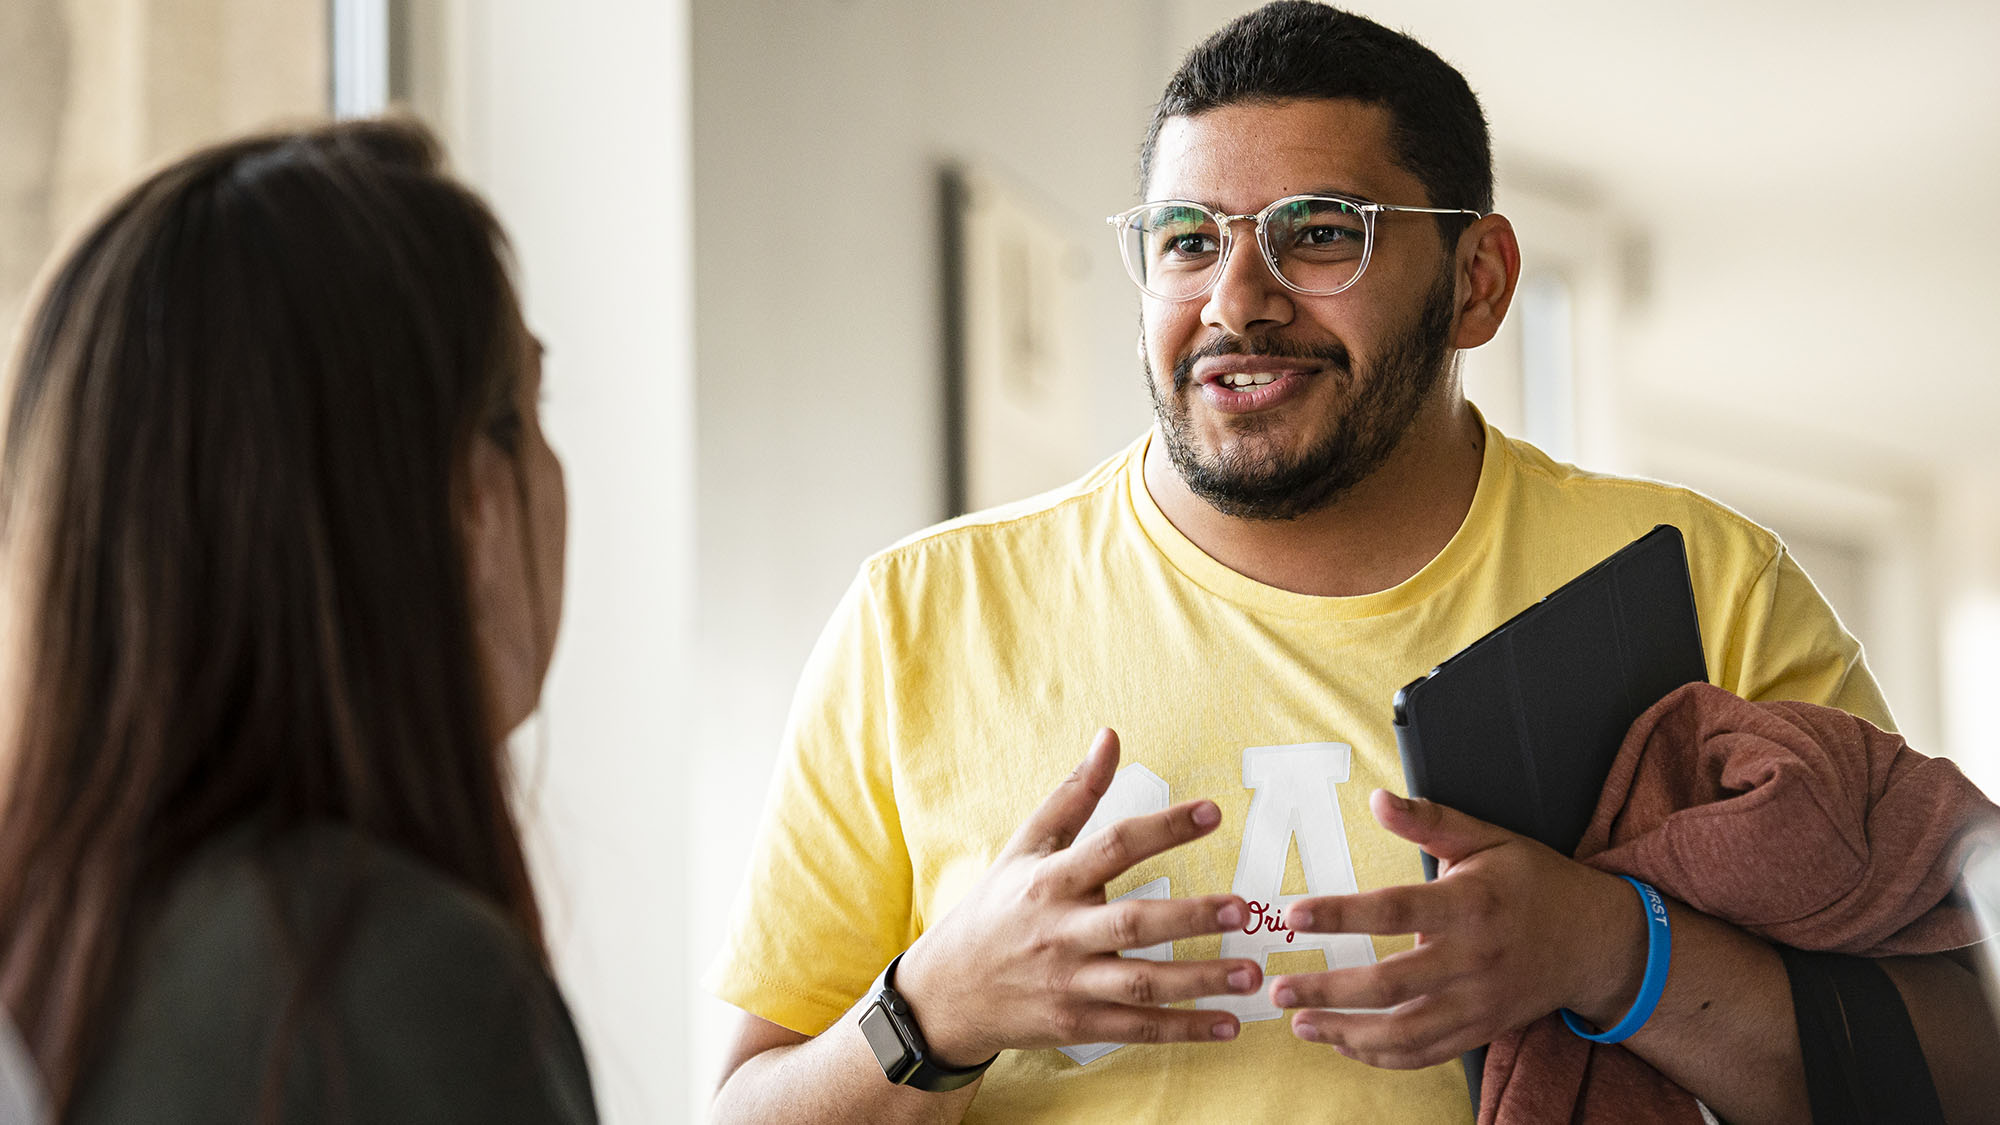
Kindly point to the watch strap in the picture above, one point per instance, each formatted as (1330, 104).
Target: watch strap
(899, 1045)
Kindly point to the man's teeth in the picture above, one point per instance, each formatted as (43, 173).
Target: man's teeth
(1247, 379)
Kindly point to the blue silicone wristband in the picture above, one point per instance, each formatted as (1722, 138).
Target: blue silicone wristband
(1659, 952)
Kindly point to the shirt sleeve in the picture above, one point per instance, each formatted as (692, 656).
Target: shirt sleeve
(826, 901)
(1788, 644)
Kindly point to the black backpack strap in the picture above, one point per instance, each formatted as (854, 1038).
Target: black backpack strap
(1862, 1061)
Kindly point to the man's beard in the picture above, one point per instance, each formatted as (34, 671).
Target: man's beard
(1379, 409)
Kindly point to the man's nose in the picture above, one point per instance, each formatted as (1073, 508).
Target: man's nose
(1248, 296)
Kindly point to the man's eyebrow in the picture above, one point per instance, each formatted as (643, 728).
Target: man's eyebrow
(1323, 189)
(1343, 192)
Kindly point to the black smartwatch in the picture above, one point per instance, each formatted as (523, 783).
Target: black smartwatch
(892, 1034)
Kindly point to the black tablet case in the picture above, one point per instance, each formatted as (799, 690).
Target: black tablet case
(1520, 727)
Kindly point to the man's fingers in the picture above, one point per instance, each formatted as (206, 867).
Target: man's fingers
(1133, 923)
(1054, 825)
(1443, 831)
(1409, 909)
(1106, 854)
(1116, 1023)
(1142, 983)
(1426, 1033)
(1394, 980)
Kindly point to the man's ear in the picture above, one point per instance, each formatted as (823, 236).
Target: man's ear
(1489, 266)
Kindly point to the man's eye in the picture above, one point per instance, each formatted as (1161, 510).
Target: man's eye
(1327, 234)
(1193, 244)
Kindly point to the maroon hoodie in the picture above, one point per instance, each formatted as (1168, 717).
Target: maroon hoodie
(1801, 824)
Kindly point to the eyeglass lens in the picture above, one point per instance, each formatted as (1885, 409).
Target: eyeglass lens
(1174, 250)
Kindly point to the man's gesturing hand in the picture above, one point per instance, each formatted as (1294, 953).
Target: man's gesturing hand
(1030, 957)
(1509, 932)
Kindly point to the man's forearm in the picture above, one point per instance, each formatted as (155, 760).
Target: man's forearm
(832, 1077)
(1724, 1029)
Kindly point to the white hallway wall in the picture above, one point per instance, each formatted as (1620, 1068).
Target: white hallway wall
(573, 120)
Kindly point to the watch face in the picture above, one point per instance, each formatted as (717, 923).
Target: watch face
(895, 1055)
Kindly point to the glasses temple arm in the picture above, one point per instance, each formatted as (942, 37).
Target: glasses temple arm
(1428, 210)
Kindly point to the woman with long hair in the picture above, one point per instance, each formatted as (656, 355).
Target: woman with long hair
(282, 547)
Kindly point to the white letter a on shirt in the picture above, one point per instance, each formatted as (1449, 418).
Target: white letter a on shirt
(1293, 800)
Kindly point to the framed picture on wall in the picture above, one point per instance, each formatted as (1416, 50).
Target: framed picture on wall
(1015, 392)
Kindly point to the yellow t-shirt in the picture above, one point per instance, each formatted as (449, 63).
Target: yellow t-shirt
(966, 669)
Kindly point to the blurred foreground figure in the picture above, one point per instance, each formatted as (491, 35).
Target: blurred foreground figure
(283, 545)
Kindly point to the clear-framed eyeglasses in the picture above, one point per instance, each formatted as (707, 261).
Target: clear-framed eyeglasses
(1175, 249)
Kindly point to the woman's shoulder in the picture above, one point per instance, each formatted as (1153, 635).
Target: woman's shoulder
(335, 967)
(332, 909)
(385, 905)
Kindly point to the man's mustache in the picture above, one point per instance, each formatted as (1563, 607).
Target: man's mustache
(1333, 355)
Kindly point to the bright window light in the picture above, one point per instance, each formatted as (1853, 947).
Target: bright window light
(360, 57)
(1972, 668)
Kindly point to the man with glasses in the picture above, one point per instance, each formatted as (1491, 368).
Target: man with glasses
(933, 925)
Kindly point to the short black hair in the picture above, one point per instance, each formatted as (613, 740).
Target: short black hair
(1300, 49)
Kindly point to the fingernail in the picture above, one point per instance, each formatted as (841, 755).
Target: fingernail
(1230, 915)
(1299, 918)
(1224, 1031)
(1240, 981)
(1285, 998)
(1306, 1031)
(1400, 802)
(1206, 815)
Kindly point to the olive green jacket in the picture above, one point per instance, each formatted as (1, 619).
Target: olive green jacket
(431, 1006)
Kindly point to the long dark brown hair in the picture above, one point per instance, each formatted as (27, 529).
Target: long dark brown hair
(239, 426)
